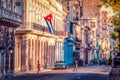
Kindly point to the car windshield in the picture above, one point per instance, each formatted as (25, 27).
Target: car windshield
(60, 61)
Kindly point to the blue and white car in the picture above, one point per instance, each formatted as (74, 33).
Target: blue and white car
(60, 65)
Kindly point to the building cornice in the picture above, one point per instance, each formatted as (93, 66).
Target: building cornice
(39, 33)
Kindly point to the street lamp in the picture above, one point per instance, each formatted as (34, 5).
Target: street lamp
(11, 49)
(2, 50)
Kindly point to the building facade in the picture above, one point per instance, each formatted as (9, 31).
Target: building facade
(72, 42)
(33, 40)
(91, 18)
(10, 19)
(105, 45)
(90, 26)
(88, 14)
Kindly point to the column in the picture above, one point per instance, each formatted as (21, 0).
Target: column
(48, 55)
(29, 53)
(23, 54)
(32, 54)
(45, 56)
(39, 51)
(56, 51)
(34, 66)
(60, 51)
(36, 53)
(17, 56)
(42, 54)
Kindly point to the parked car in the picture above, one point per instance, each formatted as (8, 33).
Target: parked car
(60, 65)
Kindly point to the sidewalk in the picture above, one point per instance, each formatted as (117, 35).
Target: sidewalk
(30, 72)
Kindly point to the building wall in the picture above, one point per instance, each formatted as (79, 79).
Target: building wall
(105, 34)
(74, 30)
(90, 17)
(112, 42)
(34, 35)
(9, 21)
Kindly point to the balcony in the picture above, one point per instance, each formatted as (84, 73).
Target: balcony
(45, 29)
(9, 18)
(33, 26)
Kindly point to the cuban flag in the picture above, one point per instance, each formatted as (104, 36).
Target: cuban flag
(48, 20)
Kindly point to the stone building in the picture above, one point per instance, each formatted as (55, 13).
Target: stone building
(90, 25)
(91, 29)
(105, 45)
(10, 19)
(93, 17)
(88, 14)
(33, 39)
(72, 42)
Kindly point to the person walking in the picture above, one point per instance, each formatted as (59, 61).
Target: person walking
(38, 67)
(75, 65)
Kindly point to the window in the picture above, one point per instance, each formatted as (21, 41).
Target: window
(18, 4)
(92, 24)
(103, 28)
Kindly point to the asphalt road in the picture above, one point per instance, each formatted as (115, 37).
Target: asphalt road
(83, 73)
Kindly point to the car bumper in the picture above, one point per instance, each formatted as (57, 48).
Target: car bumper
(60, 67)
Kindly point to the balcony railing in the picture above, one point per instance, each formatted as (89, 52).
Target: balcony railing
(38, 27)
(10, 15)
(45, 29)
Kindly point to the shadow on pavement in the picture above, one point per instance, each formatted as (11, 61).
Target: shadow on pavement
(62, 76)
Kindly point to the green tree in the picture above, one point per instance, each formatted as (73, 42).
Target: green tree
(114, 35)
(115, 5)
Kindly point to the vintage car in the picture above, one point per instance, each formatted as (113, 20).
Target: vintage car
(60, 65)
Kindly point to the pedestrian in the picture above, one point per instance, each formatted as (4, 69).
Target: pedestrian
(38, 67)
(75, 65)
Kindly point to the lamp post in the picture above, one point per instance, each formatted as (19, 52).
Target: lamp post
(11, 45)
(10, 60)
(2, 50)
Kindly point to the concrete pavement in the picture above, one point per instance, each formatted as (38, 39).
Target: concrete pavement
(66, 74)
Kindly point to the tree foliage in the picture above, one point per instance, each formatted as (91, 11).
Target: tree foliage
(114, 35)
(115, 5)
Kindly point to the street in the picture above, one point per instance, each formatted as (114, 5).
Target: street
(83, 73)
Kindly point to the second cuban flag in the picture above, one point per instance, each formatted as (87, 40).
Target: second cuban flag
(48, 20)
